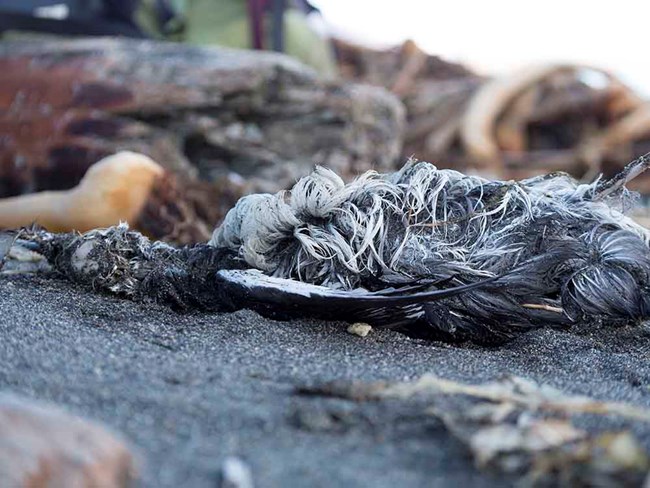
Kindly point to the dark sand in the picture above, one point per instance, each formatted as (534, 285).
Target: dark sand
(189, 390)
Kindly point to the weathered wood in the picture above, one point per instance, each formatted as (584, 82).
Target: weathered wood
(42, 446)
(574, 118)
(204, 112)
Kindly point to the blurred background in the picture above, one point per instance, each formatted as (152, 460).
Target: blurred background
(499, 36)
(505, 89)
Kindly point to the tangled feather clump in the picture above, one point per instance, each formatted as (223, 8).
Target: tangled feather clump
(564, 251)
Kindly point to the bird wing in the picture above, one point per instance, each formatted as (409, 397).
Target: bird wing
(280, 297)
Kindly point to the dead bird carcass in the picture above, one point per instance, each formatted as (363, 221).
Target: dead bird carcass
(436, 252)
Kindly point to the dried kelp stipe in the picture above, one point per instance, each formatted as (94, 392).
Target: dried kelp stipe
(127, 187)
(519, 427)
(439, 253)
(182, 212)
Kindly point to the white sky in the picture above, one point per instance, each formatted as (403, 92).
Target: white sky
(495, 36)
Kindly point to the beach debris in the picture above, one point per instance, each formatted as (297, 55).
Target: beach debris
(208, 114)
(125, 187)
(114, 190)
(7, 241)
(325, 418)
(517, 426)
(401, 68)
(551, 117)
(15, 259)
(358, 391)
(41, 445)
(360, 329)
(235, 473)
(435, 253)
(517, 392)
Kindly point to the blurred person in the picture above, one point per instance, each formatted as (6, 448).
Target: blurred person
(280, 25)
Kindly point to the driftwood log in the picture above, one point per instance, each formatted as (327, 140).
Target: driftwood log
(222, 122)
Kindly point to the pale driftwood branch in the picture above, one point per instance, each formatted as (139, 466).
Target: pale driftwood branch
(477, 130)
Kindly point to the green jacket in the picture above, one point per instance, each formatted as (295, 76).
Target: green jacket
(225, 23)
